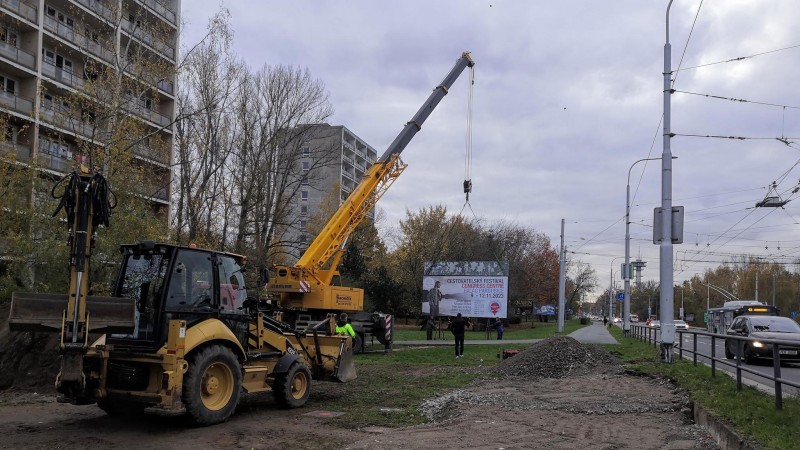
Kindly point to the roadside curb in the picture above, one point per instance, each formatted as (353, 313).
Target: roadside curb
(724, 435)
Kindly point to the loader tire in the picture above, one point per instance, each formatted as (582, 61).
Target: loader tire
(292, 388)
(212, 385)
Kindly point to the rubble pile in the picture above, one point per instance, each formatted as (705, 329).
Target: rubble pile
(560, 357)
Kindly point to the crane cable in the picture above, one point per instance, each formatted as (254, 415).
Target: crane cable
(468, 158)
(439, 247)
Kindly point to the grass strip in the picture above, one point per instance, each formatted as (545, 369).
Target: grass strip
(751, 412)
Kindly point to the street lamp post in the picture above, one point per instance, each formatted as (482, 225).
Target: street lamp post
(626, 326)
(611, 290)
(665, 249)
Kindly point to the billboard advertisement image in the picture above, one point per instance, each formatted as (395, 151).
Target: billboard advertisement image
(470, 289)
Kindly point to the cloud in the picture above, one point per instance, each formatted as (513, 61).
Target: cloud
(567, 96)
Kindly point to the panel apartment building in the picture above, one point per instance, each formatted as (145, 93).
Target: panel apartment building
(352, 158)
(51, 49)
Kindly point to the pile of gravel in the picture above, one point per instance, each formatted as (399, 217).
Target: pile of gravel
(560, 357)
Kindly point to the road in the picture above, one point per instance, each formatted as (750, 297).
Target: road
(788, 371)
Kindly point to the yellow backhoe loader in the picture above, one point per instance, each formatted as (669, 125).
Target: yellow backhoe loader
(180, 334)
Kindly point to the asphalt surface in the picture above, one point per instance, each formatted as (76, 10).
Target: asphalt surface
(595, 333)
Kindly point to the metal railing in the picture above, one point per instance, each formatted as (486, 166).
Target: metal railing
(162, 10)
(52, 115)
(23, 9)
(16, 103)
(18, 55)
(650, 335)
(21, 152)
(146, 37)
(62, 75)
(69, 34)
(98, 7)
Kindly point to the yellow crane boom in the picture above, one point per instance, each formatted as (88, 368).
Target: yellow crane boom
(307, 284)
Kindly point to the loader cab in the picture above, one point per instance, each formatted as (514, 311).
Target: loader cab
(170, 282)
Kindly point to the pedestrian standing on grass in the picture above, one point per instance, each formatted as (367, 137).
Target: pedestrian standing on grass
(498, 325)
(458, 328)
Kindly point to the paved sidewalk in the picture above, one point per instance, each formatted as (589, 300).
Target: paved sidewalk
(595, 333)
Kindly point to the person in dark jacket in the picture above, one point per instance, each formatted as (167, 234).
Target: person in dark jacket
(458, 327)
(498, 325)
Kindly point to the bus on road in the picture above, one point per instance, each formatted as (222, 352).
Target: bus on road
(719, 319)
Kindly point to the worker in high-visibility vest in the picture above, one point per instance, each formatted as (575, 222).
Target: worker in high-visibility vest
(343, 327)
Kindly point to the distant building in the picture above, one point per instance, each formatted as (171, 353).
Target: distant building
(352, 157)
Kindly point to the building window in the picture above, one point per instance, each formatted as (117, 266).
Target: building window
(303, 225)
(8, 35)
(305, 180)
(57, 149)
(306, 166)
(306, 152)
(61, 17)
(63, 63)
(53, 58)
(8, 85)
(304, 195)
(303, 210)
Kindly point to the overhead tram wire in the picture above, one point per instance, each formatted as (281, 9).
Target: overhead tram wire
(741, 58)
(688, 38)
(739, 100)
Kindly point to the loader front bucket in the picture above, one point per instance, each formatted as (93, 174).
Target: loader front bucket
(45, 312)
(345, 366)
(331, 357)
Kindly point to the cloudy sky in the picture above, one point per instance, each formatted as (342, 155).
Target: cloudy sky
(567, 95)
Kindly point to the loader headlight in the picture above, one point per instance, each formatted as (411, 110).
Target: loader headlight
(757, 344)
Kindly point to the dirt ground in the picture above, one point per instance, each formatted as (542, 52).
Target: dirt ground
(591, 411)
(586, 412)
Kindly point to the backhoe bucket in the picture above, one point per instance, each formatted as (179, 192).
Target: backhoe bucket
(45, 312)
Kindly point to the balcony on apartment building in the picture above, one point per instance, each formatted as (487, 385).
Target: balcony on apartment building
(153, 116)
(98, 8)
(22, 57)
(147, 152)
(16, 103)
(22, 9)
(68, 33)
(158, 193)
(19, 151)
(54, 162)
(162, 10)
(55, 115)
(63, 75)
(144, 35)
(135, 70)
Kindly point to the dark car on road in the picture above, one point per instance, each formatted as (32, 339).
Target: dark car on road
(759, 328)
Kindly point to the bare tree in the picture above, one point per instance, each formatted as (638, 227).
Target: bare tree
(273, 110)
(205, 136)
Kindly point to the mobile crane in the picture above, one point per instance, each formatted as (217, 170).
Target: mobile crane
(306, 285)
(180, 334)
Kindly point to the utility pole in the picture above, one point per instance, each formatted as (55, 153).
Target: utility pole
(774, 275)
(561, 283)
(756, 286)
(665, 251)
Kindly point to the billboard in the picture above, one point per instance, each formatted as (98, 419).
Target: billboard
(472, 288)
